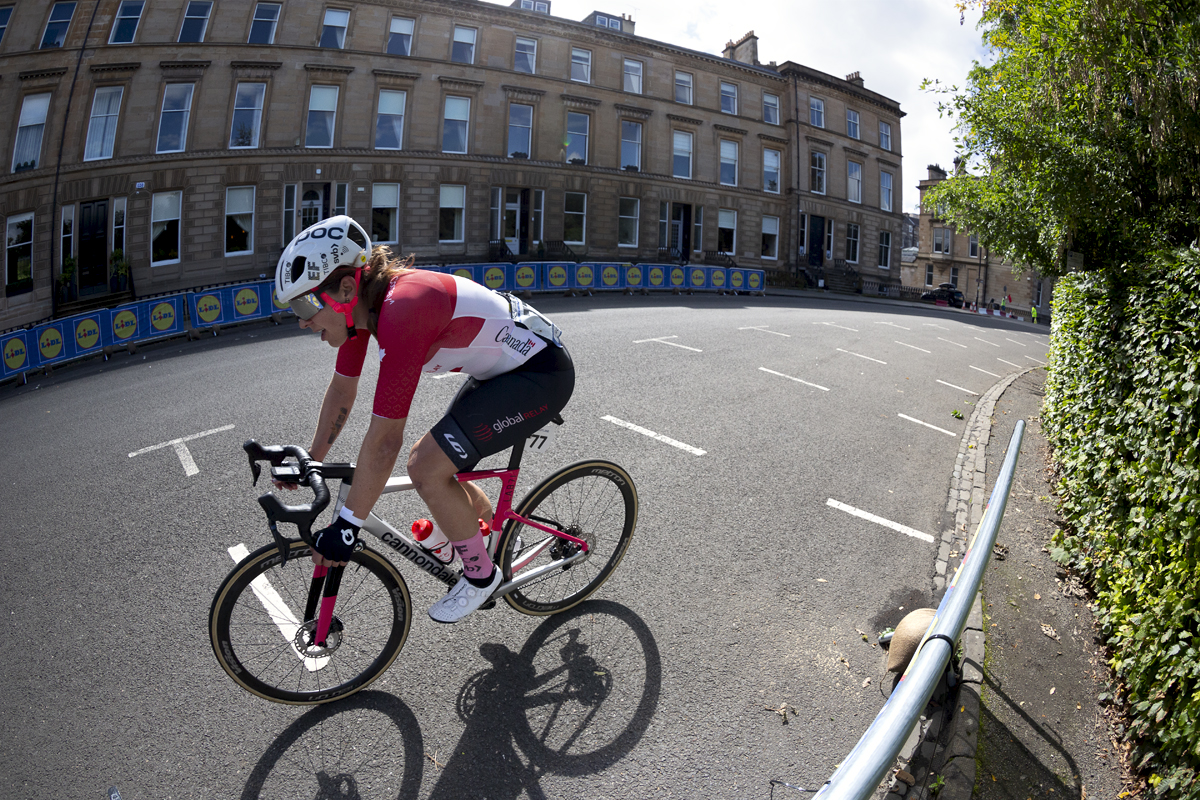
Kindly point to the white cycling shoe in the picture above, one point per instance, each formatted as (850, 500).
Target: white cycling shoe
(463, 599)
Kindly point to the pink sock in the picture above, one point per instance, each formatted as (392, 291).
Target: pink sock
(473, 552)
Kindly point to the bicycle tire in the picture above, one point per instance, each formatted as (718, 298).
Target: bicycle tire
(257, 646)
(593, 500)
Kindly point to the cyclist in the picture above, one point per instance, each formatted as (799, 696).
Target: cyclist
(521, 377)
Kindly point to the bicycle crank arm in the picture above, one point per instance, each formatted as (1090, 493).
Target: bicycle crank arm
(537, 574)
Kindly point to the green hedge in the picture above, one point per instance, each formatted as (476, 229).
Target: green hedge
(1121, 413)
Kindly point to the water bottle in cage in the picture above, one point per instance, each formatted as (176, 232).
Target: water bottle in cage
(431, 539)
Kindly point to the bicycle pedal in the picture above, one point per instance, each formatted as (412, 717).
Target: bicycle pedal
(489, 604)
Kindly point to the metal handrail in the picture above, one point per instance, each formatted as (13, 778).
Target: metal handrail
(868, 763)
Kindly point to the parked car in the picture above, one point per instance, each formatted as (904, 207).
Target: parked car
(947, 294)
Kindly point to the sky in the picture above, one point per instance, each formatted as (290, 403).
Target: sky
(894, 44)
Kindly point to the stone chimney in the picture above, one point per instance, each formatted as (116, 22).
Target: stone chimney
(855, 78)
(936, 173)
(744, 50)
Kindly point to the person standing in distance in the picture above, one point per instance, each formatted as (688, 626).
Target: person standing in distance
(346, 291)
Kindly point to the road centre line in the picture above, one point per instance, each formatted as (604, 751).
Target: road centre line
(860, 355)
(277, 608)
(797, 380)
(926, 424)
(913, 346)
(664, 439)
(1011, 364)
(985, 341)
(763, 328)
(887, 523)
(835, 325)
(663, 340)
(894, 325)
(961, 389)
(1014, 341)
(181, 450)
(956, 344)
(935, 325)
(984, 371)
(1031, 358)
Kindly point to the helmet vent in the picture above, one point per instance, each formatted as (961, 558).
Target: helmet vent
(355, 235)
(297, 268)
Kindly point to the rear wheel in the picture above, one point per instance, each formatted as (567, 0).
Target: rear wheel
(595, 501)
(263, 642)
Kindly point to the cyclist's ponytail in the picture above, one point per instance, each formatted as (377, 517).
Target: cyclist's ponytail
(377, 278)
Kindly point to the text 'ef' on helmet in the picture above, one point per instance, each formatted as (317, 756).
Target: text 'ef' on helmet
(316, 252)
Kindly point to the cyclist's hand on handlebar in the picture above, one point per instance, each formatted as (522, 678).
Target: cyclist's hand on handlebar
(291, 487)
(334, 543)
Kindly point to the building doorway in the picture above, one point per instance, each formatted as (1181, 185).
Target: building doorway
(681, 229)
(313, 207)
(516, 217)
(816, 241)
(93, 247)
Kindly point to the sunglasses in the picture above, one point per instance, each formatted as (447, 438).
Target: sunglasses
(306, 306)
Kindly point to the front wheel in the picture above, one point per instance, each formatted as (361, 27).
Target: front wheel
(261, 639)
(593, 500)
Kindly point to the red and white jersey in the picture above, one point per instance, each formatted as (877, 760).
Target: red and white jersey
(432, 322)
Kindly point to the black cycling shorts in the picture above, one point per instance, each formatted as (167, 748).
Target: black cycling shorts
(489, 416)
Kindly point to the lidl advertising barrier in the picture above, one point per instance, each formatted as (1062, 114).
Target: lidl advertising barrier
(229, 304)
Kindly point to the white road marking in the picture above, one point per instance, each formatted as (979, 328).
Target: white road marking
(663, 340)
(926, 424)
(961, 389)
(887, 523)
(913, 346)
(934, 325)
(665, 439)
(894, 325)
(835, 325)
(277, 609)
(1031, 358)
(1014, 341)
(860, 355)
(763, 328)
(445, 375)
(984, 371)
(956, 344)
(1011, 364)
(985, 341)
(797, 380)
(185, 455)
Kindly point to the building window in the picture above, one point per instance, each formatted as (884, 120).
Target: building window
(27, 152)
(289, 212)
(173, 119)
(400, 37)
(802, 233)
(102, 127)
(664, 213)
(771, 166)
(581, 65)
(854, 181)
(885, 191)
(954, 277)
(817, 173)
(18, 268)
(816, 112)
(539, 198)
(340, 192)
(531, 5)
(698, 236)
(729, 162)
(262, 27)
(385, 213)
(496, 220)
(929, 274)
(681, 161)
(118, 224)
(683, 88)
(770, 238)
(68, 231)
(885, 249)
(1037, 296)
(852, 243)
(627, 221)
(195, 21)
(322, 116)
(389, 122)
(56, 27)
(463, 50)
(525, 55)
(633, 76)
(575, 218)
(126, 24)
(520, 128)
(164, 228)
(728, 98)
(450, 213)
(333, 34)
(454, 127)
(829, 237)
(770, 109)
(885, 135)
(941, 240)
(631, 146)
(247, 115)
(852, 124)
(726, 230)
(973, 246)
(577, 138)
(239, 220)
(5, 14)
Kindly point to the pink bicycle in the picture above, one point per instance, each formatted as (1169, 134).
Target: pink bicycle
(296, 634)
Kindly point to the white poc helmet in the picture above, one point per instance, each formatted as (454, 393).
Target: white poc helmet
(312, 256)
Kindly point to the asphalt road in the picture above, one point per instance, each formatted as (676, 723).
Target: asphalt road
(744, 589)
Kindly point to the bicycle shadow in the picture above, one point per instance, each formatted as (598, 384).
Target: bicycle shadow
(343, 751)
(540, 711)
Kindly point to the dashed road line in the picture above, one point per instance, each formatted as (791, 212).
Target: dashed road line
(663, 340)
(835, 325)
(961, 389)
(181, 450)
(797, 380)
(860, 355)
(913, 346)
(763, 328)
(985, 372)
(1011, 364)
(1031, 358)
(887, 523)
(956, 344)
(894, 325)
(985, 341)
(645, 432)
(1014, 341)
(926, 424)
(933, 325)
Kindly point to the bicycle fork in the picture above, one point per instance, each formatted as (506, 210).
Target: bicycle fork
(322, 590)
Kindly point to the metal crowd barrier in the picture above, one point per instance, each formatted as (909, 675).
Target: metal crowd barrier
(868, 763)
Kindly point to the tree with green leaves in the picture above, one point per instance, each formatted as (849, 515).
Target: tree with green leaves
(1081, 132)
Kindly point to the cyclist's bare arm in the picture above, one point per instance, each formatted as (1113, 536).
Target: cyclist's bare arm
(335, 409)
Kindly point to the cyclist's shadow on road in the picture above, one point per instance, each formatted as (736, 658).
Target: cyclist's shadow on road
(575, 700)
